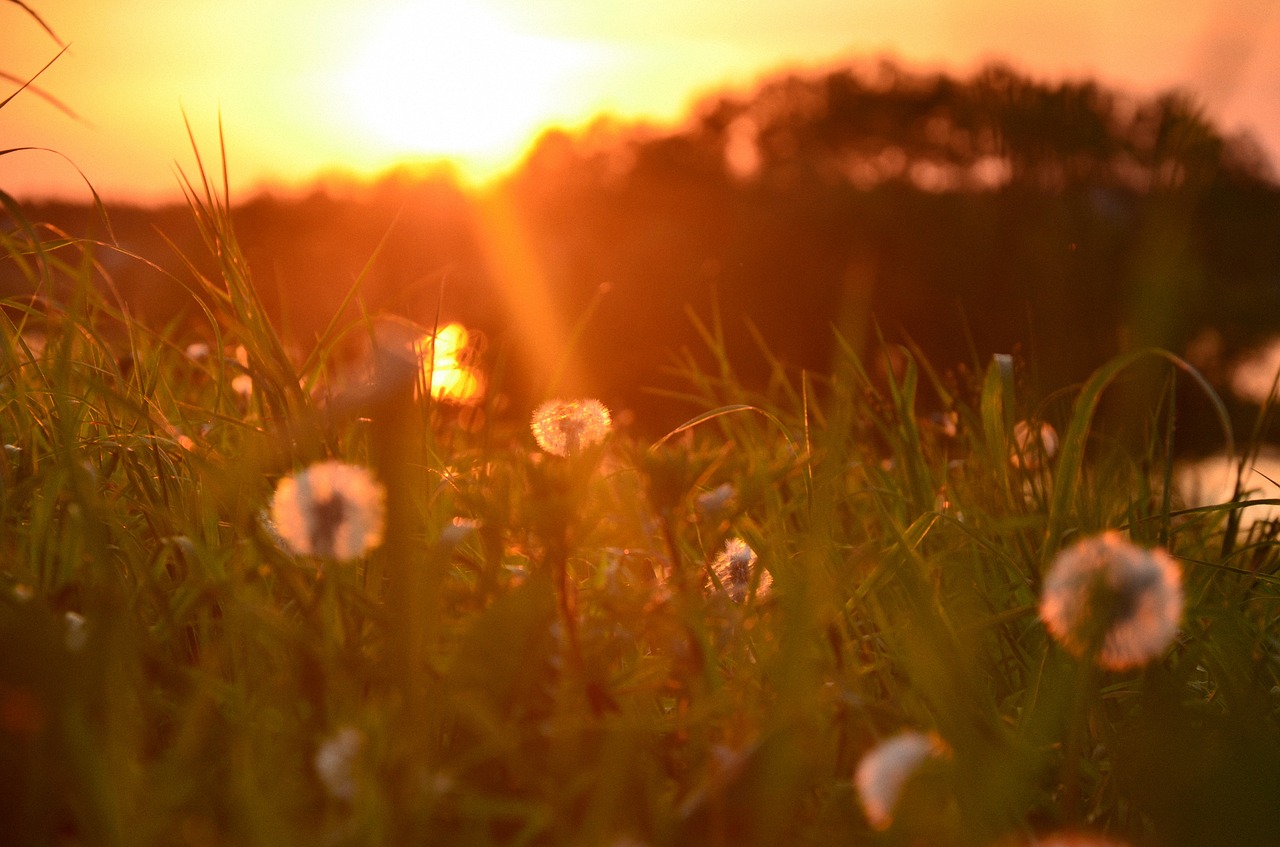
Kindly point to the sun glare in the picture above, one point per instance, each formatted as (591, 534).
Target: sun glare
(444, 359)
(456, 81)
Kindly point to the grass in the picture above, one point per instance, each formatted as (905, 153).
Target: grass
(559, 668)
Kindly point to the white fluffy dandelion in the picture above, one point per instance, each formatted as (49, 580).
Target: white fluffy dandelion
(567, 427)
(458, 530)
(1109, 596)
(718, 500)
(335, 762)
(331, 509)
(885, 769)
(75, 634)
(1034, 444)
(736, 566)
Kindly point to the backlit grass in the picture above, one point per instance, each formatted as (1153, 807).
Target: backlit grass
(606, 642)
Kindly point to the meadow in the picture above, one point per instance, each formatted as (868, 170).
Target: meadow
(356, 592)
(256, 596)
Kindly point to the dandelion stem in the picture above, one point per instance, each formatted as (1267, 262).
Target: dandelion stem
(568, 604)
(394, 456)
(1077, 734)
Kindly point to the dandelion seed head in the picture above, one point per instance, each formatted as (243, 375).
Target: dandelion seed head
(884, 770)
(76, 632)
(331, 510)
(458, 530)
(718, 500)
(736, 566)
(1108, 594)
(567, 427)
(1034, 444)
(949, 424)
(335, 762)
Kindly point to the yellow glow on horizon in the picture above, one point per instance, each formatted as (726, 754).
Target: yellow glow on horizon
(455, 81)
(338, 87)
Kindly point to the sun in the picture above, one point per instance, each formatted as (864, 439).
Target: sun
(455, 80)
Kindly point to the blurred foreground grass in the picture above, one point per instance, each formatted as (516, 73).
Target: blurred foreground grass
(543, 649)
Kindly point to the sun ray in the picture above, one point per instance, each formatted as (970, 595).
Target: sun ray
(514, 263)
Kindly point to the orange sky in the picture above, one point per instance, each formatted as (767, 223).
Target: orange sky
(306, 86)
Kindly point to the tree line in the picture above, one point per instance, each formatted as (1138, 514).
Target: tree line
(966, 215)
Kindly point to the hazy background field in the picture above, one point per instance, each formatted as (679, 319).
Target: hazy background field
(1067, 182)
(967, 215)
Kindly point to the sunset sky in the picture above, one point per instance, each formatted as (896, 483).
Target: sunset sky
(311, 86)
